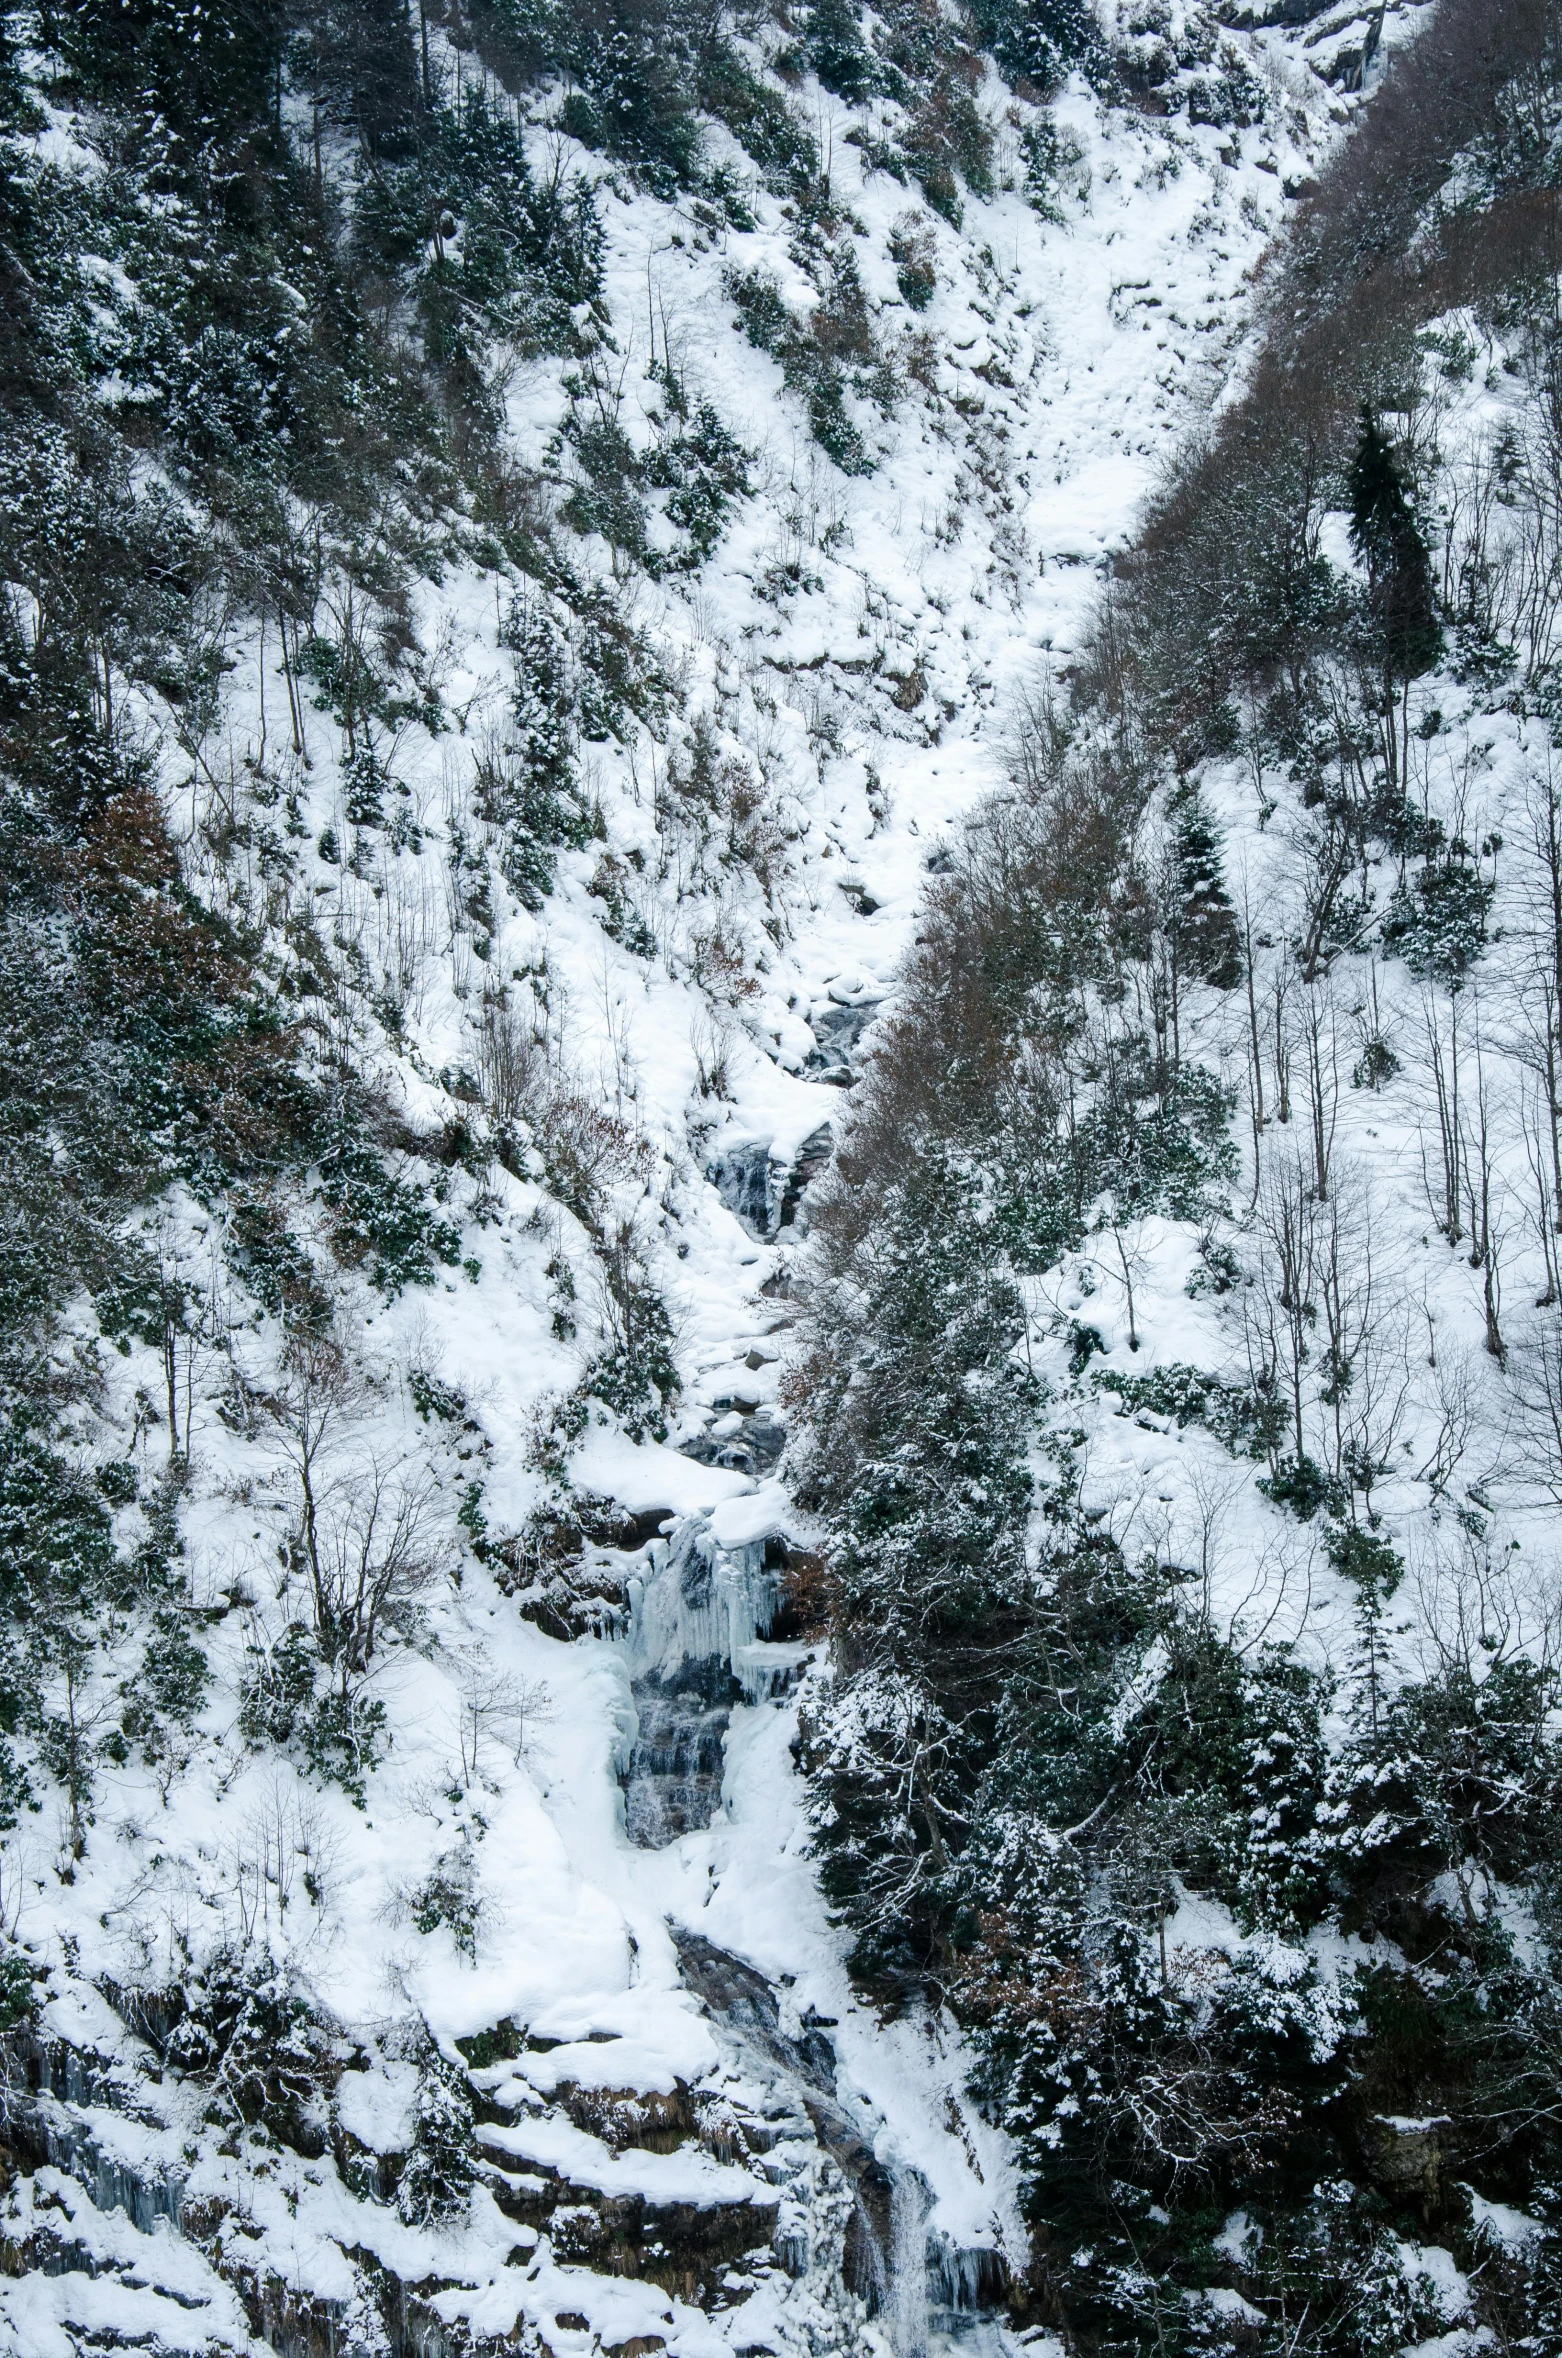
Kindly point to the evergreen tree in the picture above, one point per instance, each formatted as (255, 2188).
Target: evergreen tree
(370, 69)
(919, 1469)
(208, 72)
(532, 790)
(440, 2170)
(1043, 41)
(836, 50)
(1203, 926)
(1401, 597)
(637, 66)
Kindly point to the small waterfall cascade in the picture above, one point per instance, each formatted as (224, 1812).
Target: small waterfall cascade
(672, 1783)
(855, 2228)
(907, 2303)
(700, 1602)
(966, 2288)
(871, 2250)
(696, 1646)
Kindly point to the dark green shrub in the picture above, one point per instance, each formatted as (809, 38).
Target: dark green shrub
(378, 1218)
(248, 2032)
(835, 48)
(1436, 920)
(1304, 1487)
(913, 254)
(441, 2169)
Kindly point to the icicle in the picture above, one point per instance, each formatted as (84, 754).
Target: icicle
(702, 1603)
(907, 2305)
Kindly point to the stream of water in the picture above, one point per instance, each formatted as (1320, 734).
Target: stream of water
(696, 1648)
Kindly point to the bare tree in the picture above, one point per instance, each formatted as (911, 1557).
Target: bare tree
(377, 1555)
(1539, 996)
(1483, 1602)
(1324, 1324)
(1328, 848)
(282, 1848)
(1542, 1210)
(499, 1707)
(1255, 1045)
(366, 1538)
(1126, 1230)
(1320, 1035)
(76, 1702)
(1280, 1309)
(308, 1410)
(1365, 1364)
(1440, 1017)
(1457, 1400)
(1535, 1378)
(510, 1057)
(1482, 1188)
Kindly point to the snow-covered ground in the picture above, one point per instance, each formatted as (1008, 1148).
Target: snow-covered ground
(860, 645)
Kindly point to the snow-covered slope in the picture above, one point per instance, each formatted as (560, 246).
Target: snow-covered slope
(681, 2146)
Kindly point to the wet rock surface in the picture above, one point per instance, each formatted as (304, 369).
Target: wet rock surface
(878, 2255)
(673, 1781)
(756, 1447)
(765, 1189)
(837, 1031)
(851, 2224)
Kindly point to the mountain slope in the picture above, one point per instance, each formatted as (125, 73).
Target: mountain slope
(527, 535)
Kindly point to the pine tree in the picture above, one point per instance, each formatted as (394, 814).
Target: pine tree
(1401, 597)
(440, 2171)
(1203, 925)
(534, 793)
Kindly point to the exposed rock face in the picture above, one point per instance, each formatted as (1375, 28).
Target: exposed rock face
(752, 1444)
(837, 1031)
(485, 2195)
(1406, 2157)
(673, 1780)
(671, 2188)
(765, 1189)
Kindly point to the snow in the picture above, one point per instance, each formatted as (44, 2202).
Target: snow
(156, 2286)
(1223, 2301)
(662, 2177)
(761, 1513)
(642, 1476)
(378, 2107)
(1235, 2236)
(971, 556)
(1512, 2230)
(749, 1887)
(1436, 2269)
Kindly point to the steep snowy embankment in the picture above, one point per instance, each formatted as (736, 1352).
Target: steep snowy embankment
(855, 648)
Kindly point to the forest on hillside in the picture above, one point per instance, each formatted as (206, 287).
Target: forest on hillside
(1048, 1725)
(424, 730)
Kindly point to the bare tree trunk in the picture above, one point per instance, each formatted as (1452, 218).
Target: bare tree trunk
(1282, 1049)
(1545, 1212)
(1547, 828)
(1289, 1217)
(1128, 1287)
(1444, 1056)
(1484, 1241)
(1254, 1043)
(1323, 1082)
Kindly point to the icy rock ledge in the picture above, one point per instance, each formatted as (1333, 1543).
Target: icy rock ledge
(697, 1644)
